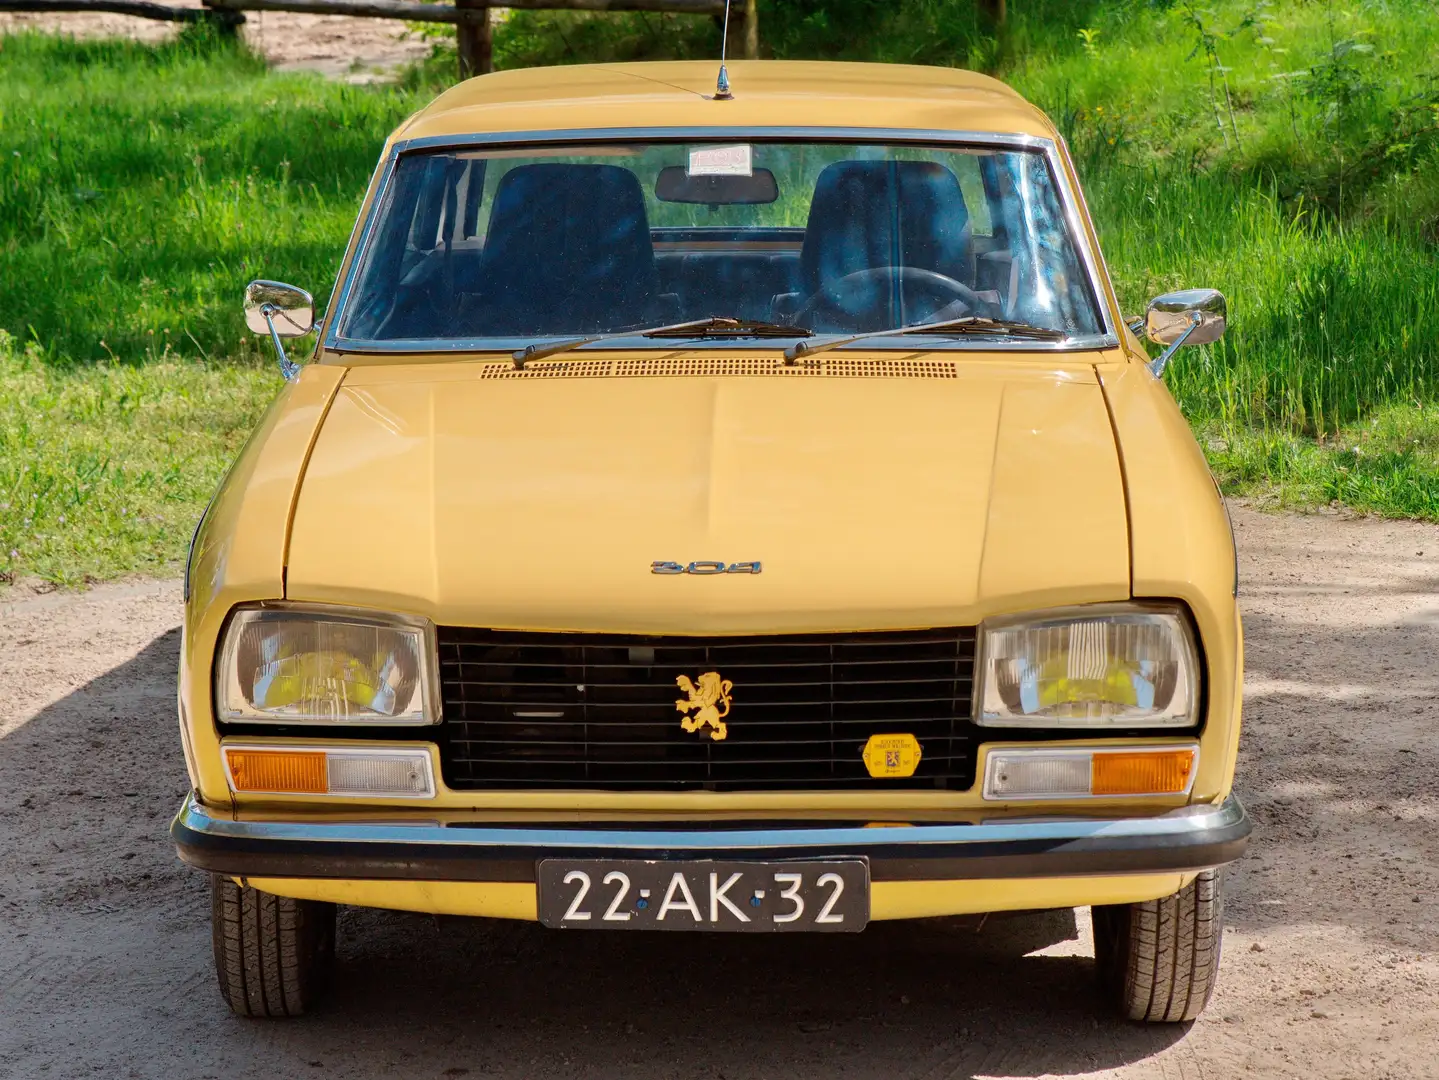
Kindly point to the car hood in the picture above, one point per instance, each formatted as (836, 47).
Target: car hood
(870, 502)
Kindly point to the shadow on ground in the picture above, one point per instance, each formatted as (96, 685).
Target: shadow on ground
(933, 997)
(105, 965)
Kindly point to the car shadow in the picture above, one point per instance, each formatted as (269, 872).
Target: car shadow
(948, 997)
(87, 787)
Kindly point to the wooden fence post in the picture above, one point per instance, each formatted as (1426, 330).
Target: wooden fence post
(225, 23)
(994, 11)
(475, 41)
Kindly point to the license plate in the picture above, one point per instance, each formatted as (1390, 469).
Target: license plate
(633, 894)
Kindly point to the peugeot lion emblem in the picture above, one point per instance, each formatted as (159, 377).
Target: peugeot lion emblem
(711, 698)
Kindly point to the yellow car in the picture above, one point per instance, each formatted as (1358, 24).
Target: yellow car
(739, 510)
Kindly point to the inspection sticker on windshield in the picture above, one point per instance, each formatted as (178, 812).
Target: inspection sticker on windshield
(722, 161)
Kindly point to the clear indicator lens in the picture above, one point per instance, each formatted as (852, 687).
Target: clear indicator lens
(1121, 670)
(298, 667)
(372, 774)
(1025, 776)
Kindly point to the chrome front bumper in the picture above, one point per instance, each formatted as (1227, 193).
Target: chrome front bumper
(1190, 838)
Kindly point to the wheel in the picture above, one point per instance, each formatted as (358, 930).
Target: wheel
(273, 954)
(1159, 960)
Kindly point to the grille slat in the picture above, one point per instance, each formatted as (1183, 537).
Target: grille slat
(857, 663)
(718, 652)
(591, 685)
(772, 744)
(604, 716)
(658, 726)
(645, 763)
(811, 783)
(797, 703)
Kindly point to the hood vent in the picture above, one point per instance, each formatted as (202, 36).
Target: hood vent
(661, 366)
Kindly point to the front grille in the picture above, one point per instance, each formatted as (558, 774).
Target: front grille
(528, 710)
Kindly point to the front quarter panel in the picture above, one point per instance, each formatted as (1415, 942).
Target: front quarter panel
(239, 553)
(1182, 547)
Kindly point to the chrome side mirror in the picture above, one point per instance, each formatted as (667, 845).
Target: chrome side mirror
(282, 311)
(1187, 317)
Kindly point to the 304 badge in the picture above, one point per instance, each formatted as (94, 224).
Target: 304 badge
(826, 895)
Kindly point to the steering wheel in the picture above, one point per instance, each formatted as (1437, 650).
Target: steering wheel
(861, 300)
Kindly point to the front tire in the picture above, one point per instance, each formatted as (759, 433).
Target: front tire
(1159, 960)
(273, 954)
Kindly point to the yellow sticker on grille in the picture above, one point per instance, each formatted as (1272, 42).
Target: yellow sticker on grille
(892, 755)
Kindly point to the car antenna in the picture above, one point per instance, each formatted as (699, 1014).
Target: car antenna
(722, 92)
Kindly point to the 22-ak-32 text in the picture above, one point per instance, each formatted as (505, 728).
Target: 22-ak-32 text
(635, 894)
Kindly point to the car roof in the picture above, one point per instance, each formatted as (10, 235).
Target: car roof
(767, 93)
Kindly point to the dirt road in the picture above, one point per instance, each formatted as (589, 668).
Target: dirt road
(1330, 965)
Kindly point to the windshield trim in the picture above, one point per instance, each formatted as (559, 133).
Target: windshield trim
(1068, 195)
(911, 343)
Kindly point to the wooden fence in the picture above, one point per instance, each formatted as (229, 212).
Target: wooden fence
(141, 9)
(471, 18)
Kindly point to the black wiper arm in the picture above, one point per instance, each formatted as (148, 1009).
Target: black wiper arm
(727, 327)
(540, 350)
(697, 328)
(969, 324)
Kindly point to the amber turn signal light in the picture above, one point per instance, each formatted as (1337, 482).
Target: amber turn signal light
(300, 771)
(1151, 772)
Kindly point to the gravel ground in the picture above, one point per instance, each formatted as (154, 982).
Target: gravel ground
(1330, 968)
(352, 49)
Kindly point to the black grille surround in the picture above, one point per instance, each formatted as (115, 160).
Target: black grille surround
(552, 711)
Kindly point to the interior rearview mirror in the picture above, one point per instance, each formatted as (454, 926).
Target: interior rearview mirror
(1186, 317)
(675, 184)
(291, 310)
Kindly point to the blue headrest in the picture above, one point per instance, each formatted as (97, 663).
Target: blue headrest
(568, 249)
(868, 214)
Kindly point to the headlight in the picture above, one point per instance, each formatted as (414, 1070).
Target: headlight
(309, 665)
(1108, 666)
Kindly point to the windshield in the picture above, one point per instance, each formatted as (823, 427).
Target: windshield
(519, 245)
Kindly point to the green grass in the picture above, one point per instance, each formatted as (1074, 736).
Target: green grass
(1285, 152)
(1387, 465)
(141, 187)
(1327, 322)
(1305, 185)
(1330, 101)
(104, 469)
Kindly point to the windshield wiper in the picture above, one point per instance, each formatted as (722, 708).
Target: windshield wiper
(721, 326)
(715, 326)
(969, 324)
